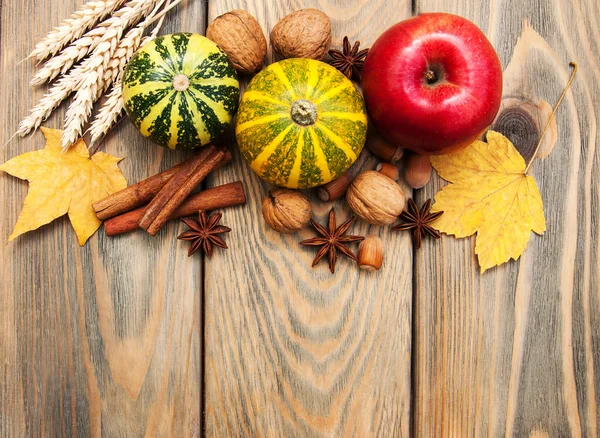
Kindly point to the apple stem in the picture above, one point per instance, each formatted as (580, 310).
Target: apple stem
(560, 99)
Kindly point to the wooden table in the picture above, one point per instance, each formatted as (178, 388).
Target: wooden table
(128, 337)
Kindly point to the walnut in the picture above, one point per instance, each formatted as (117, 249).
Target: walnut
(240, 36)
(302, 34)
(375, 198)
(286, 210)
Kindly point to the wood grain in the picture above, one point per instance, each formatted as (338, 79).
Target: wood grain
(107, 339)
(515, 352)
(104, 339)
(295, 351)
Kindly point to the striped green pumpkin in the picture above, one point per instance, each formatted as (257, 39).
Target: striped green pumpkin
(301, 123)
(180, 90)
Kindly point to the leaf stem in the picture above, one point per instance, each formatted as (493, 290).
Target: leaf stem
(560, 99)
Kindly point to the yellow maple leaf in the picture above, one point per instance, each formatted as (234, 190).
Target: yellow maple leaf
(64, 182)
(490, 194)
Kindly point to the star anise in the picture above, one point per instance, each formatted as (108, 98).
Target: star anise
(203, 233)
(333, 240)
(349, 60)
(419, 221)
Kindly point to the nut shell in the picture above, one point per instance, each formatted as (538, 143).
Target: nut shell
(370, 253)
(240, 36)
(388, 169)
(417, 171)
(302, 34)
(286, 210)
(375, 198)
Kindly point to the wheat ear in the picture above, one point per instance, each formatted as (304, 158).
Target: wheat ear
(105, 65)
(74, 27)
(110, 30)
(108, 115)
(113, 108)
(51, 100)
(101, 71)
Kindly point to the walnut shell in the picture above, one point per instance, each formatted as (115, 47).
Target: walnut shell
(240, 36)
(375, 198)
(302, 34)
(286, 210)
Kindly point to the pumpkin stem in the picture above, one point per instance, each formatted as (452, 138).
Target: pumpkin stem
(303, 112)
(181, 82)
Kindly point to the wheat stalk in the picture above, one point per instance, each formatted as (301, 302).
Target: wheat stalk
(91, 78)
(74, 27)
(108, 115)
(51, 100)
(110, 30)
(112, 109)
(106, 63)
(103, 68)
(63, 88)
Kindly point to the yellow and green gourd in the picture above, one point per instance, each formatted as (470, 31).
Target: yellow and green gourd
(301, 123)
(180, 90)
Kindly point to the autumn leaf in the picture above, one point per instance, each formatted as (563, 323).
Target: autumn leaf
(61, 183)
(490, 194)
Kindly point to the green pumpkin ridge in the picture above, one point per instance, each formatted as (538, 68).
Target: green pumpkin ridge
(180, 43)
(160, 127)
(270, 85)
(139, 106)
(161, 47)
(355, 131)
(259, 137)
(310, 172)
(337, 160)
(187, 134)
(142, 69)
(278, 167)
(297, 72)
(209, 117)
(215, 66)
(226, 95)
(259, 109)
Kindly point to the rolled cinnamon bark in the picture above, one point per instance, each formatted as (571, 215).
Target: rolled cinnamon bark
(177, 189)
(133, 196)
(227, 195)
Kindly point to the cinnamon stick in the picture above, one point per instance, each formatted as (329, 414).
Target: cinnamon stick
(227, 195)
(133, 196)
(173, 194)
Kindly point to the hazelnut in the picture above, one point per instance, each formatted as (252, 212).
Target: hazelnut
(370, 253)
(382, 148)
(240, 36)
(418, 170)
(302, 34)
(375, 198)
(286, 210)
(388, 169)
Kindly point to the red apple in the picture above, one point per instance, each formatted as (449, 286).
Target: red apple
(432, 83)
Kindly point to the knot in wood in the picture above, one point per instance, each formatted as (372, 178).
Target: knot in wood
(519, 126)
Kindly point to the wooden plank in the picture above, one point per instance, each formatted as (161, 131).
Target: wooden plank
(515, 352)
(295, 351)
(100, 339)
